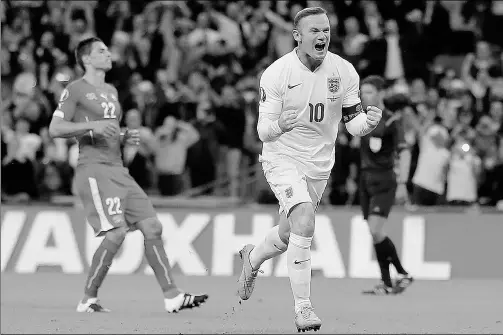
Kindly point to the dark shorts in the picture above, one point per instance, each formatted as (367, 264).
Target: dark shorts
(424, 197)
(377, 192)
(111, 197)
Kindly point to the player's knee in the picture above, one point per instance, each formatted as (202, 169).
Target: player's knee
(378, 237)
(376, 227)
(284, 235)
(117, 235)
(302, 219)
(151, 228)
(284, 229)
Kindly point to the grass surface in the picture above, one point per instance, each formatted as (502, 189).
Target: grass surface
(45, 303)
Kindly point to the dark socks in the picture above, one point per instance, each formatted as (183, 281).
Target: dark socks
(382, 259)
(392, 254)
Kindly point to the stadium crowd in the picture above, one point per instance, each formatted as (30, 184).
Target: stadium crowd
(187, 75)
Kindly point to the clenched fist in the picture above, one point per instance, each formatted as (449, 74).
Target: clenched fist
(374, 115)
(287, 120)
(132, 136)
(106, 128)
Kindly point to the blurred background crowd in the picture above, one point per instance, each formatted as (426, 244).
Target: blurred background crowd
(187, 75)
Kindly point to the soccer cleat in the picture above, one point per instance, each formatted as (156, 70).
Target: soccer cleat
(383, 289)
(404, 281)
(184, 301)
(90, 306)
(246, 281)
(306, 320)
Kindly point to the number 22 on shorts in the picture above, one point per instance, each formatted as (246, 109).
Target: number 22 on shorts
(114, 205)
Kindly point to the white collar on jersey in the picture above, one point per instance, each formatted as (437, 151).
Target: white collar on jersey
(298, 61)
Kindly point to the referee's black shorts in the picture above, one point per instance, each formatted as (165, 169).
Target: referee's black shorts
(377, 192)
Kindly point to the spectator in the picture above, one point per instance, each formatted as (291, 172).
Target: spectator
(478, 66)
(282, 25)
(205, 150)
(27, 103)
(18, 168)
(173, 139)
(200, 61)
(144, 99)
(256, 32)
(79, 22)
(372, 19)
(496, 115)
(353, 43)
(137, 158)
(494, 174)
(463, 174)
(231, 115)
(148, 43)
(122, 59)
(430, 176)
(16, 29)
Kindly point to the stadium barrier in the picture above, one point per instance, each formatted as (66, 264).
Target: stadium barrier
(205, 242)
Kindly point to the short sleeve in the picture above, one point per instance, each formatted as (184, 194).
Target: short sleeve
(67, 103)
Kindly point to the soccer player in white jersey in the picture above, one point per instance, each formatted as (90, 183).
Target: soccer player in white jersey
(303, 97)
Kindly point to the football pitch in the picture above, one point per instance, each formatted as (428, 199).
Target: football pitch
(45, 303)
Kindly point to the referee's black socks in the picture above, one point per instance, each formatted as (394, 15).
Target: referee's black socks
(384, 261)
(389, 246)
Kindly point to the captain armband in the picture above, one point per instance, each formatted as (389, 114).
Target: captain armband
(349, 113)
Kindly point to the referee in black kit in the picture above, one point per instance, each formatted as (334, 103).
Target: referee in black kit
(379, 184)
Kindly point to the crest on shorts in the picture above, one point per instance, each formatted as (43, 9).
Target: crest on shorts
(117, 219)
(375, 144)
(333, 84)
(91, 96)
(289, 192)
(114, 98)
(262, 94)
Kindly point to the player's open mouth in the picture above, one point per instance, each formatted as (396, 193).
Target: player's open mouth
(320, 46)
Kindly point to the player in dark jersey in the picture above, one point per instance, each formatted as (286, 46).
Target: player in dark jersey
(114, 203)
(378, 183)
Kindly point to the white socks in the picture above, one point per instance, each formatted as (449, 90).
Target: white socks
(299, 262)
(270, 247)
(299, 269)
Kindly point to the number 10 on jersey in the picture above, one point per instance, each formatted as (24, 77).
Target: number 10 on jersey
(316, 112)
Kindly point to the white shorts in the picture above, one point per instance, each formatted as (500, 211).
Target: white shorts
(291, 186)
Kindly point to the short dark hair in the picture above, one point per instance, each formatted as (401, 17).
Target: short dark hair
(377, 81)
(307, 12)
(84, 49)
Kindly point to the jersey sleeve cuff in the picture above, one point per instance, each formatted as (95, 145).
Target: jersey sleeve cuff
(276, 128)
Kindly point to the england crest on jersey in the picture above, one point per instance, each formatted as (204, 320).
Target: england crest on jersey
(333, 84)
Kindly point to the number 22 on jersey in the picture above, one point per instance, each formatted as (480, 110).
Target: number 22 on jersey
(108, 110)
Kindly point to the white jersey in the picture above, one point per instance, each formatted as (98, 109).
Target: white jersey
(319, 97)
